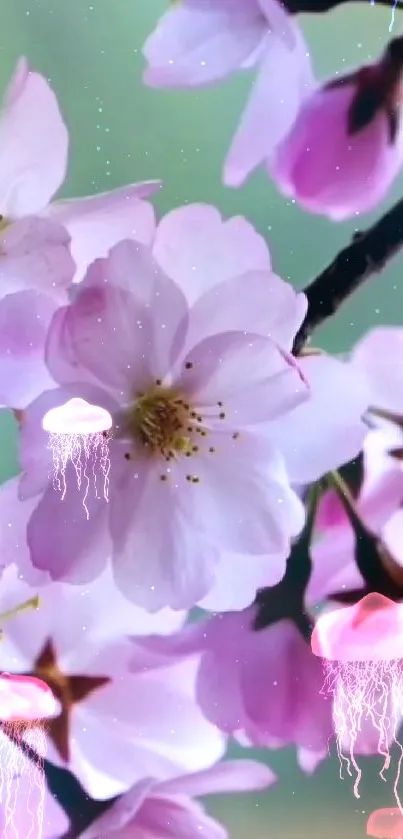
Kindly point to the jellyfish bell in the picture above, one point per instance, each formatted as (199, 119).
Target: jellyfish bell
(385, 823)
(77, 417)
(77, 436)
(24, 698)
(361, 647)
(370, 630)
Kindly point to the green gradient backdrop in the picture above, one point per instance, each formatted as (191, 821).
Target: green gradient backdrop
(122, 132)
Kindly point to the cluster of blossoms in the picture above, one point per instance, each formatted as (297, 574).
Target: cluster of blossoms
(180, 329)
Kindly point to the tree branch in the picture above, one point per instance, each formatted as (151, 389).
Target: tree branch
(319, 6)
(365, 256)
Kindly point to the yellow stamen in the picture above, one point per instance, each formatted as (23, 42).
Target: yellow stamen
(33, 603)
(159, 421)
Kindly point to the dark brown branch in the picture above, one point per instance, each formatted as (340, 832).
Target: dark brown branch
(367, 255)
(319, 6)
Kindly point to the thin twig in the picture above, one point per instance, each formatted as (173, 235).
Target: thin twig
(367, 255)
(320, 6)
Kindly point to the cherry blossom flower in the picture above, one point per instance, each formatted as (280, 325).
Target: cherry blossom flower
(203, 253)
(190, 450)
(198, 43)
(262, 687)
(32, 172)
(35, 257)
(345, 147)
(115, 726)
(167, 809)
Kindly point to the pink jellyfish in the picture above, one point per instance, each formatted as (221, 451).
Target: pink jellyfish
(25, 705)
(24, 698)
(78, 433)
(362, 648)
(386, 823)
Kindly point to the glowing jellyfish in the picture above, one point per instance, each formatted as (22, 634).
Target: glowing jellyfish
(362, 649)
(25, 705)
(386, 823)
(79, 435)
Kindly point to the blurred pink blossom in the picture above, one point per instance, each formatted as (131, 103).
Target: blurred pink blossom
(345, 147)
(262, 687)
(35, 258)
(381, 494)
(372, 357)
(36, 269)
(166, 810)
(191, 450)
(199, 42)
(116, 726)
(33, 164)
(380, 497)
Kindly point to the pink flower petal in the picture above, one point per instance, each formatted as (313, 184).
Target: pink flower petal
(123, 336)
(334, 567)
(196, 44)
(392, 536)
(243, 482)
(218, 690)
(257, 301)
(372, 356)
(239, 577)
(100, 336)
(245, 377)
(281, 682)
(13, 543)
(76, 545)
(338, 400)
(279, 20)
(309, 760)
(35, 254)
(162, 723)
(147, 520)
(24, 321)
(122, 812)
(33, 144)
(177, 818)
(226, 776)
(283, 82)
(198, 249)
(99, 222)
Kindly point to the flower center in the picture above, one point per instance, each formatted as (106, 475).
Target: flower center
(161, 422)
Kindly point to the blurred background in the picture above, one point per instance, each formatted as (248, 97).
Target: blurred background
(123, 132)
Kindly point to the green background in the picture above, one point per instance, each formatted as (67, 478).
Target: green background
(123, 132)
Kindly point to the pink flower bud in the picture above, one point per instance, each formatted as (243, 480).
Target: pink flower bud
(346, 145)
